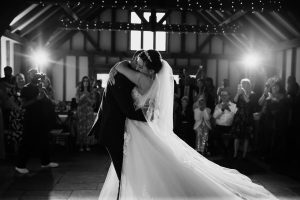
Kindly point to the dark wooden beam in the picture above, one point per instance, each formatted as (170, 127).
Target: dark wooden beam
(234, 17)
(64, 35)
(165, 55)
(182, 36)
(39, 21)
(141, 16)
(231, 40)
(36, 8)
(113, 33)
(214, 17)
(15, 37)
(254, 25)
(167, 14)
(287, 44)
(202, 17)
(90, 39)
(283, 75)
(59, 40)
(204, 43)
(271, 25)
(294, 61)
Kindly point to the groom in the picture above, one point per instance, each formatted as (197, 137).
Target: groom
(116, 106)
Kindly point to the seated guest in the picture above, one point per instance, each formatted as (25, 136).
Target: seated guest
(223, 115)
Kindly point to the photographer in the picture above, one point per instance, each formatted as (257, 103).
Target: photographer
(37, 122)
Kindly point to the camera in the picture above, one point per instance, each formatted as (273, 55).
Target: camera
(38, 77)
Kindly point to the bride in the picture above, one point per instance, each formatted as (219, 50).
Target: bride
(159, 165)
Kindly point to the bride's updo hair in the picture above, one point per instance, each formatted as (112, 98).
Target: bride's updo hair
(153, 59)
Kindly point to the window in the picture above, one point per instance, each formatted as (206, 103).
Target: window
(147, 39)
(104, 78)
(176, 78)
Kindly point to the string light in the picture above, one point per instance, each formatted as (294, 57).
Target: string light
(112, 26)
(230, 5)
(181, 5)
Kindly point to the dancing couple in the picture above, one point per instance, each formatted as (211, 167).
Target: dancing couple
(149, 161)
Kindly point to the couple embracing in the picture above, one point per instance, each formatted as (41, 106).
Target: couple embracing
(149, 161)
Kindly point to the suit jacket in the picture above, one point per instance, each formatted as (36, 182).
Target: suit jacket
(116, 106)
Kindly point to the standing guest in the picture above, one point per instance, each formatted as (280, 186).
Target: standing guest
(292, 87)
(30, 74)
(8, 78)
(186, 87)
(243, 123)
(262, 133)
(200, 89)
(48, 88)
(276, 112)
(210, 92)
(36, 125)
(4, 103)
(202, 124)
(292, 91)
(8, 82)
(85, 113)
(224, 86)
(15, 126)
(223, 115)
(185, 122)
(267, 91)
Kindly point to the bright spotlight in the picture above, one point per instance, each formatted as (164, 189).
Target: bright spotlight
(40, 57)
(251, 60)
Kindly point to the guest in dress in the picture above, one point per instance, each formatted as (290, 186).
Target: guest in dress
(85, 113)
(243, 122)
(202, 125)
(276, 114)
(14, 131)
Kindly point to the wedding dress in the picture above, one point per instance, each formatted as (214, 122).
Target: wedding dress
(158, 165)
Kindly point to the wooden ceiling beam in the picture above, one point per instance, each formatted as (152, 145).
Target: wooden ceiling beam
(73, 15)
(167, 14)
(234, 17)
(287, 23)
(30, 12)
(272, 27)
(33, 18)
(64, 35)
(289, 44)
(260, 29)
(39, 21)
(201, 17)
(141, 16)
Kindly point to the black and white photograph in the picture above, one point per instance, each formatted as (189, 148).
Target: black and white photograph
(149, 100)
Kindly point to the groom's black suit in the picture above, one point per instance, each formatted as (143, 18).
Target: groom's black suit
(116, 106)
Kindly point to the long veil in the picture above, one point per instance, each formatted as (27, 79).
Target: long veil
(157, 103)
(157, 106)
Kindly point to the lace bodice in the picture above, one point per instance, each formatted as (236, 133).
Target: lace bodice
(136, 95)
